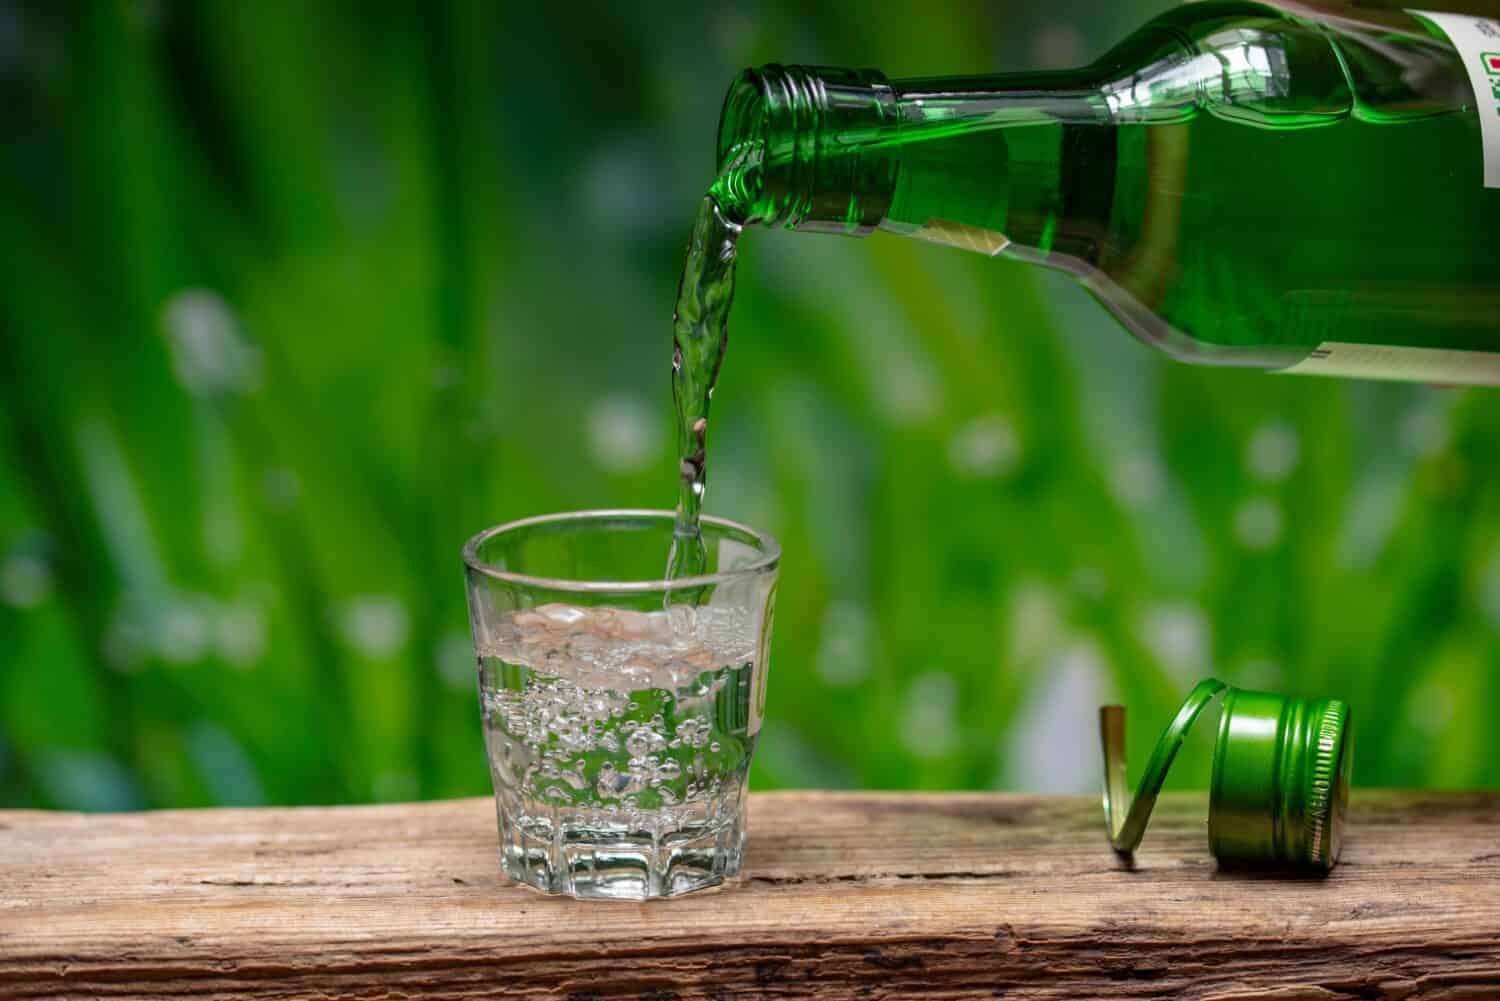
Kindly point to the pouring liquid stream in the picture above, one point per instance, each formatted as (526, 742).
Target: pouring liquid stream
(700, 333)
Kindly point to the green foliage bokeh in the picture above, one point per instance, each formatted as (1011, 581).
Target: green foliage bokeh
(294, 297)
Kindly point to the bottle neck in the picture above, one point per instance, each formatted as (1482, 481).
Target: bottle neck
(837, 150)
(791, 145)
(822, 149)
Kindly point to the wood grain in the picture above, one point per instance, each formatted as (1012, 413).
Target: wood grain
(871, 896)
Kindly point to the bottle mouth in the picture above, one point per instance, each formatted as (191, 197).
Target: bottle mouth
(741, 147)
(794, 148)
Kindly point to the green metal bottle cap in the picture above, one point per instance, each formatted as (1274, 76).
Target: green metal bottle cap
(1280, 785)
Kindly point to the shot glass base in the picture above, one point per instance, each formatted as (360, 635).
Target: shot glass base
(641, 867)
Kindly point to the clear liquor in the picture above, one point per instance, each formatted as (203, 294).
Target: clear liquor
(619, 744)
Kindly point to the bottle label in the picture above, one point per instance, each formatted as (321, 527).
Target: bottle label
(1477, 41)
(1383, 361)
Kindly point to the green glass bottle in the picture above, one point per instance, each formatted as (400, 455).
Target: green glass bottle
(1302, 187)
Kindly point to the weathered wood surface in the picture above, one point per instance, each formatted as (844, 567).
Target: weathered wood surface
(875, 896)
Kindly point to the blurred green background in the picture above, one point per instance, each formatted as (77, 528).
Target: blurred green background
(294, 297)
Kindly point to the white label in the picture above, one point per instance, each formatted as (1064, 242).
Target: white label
(1381, 361)
(1477, 40)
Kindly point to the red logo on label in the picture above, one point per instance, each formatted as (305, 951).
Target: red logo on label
(1491, 61)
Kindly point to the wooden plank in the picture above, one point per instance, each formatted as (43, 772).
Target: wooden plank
(887, 896)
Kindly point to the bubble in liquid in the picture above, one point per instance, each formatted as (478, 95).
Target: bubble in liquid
(693, 732)
(669, 769)
(637, 743)
(715, 747)
(643, 741)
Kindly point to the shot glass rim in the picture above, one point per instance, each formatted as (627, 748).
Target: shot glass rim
(769, 559)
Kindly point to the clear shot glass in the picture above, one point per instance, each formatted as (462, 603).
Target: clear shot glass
(620, 709)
